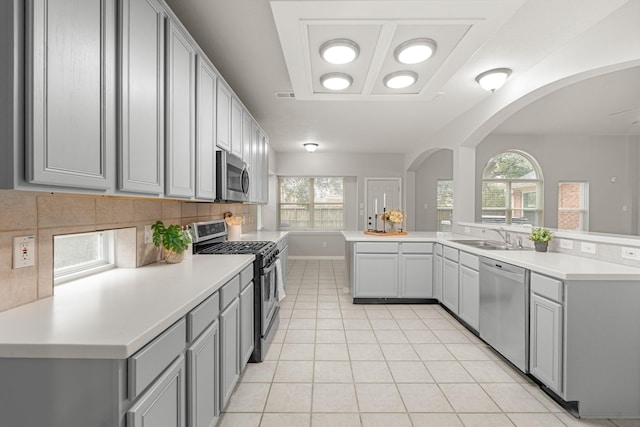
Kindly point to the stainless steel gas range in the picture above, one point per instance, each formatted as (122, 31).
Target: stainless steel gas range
(210, 238)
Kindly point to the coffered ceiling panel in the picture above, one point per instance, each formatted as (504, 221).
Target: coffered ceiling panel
(459, 27)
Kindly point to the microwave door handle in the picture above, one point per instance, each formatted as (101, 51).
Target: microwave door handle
(245, 181)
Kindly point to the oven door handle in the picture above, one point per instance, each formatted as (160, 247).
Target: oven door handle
(269, 269)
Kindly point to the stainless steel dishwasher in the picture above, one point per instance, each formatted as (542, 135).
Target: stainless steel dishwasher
(504, 310)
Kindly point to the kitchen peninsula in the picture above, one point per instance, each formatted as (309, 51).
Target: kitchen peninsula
(582, 313)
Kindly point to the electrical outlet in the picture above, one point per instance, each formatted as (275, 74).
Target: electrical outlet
(24, 251)
(324, 244)
(148, 235)
(566, 244)
(631, 253)
(467, 230)
(590, 248)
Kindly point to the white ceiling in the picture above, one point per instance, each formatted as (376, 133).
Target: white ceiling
(242, 40)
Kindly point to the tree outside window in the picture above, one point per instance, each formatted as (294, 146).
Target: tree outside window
(444, 204)
(512, 189)
(311, 203)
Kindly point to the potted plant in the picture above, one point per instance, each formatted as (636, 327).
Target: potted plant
(541, 238)
(173, 239)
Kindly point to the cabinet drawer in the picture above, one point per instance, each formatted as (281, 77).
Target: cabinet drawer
(229, 292)
(246, 276)
(380, 248)
(450, 253)
(202, 316)
(417, 248)
(471, 261)
(547, 287)
(149, 362)
(438, 249)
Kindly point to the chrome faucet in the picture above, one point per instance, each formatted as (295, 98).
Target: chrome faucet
(505, 237)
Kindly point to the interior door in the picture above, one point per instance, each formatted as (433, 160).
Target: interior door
(378, 191)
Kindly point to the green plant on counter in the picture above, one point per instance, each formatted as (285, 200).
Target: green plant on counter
(540, 235)
(172, 238)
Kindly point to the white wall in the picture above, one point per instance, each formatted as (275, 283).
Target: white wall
(595, 159)
(437, 166)
(355, 167)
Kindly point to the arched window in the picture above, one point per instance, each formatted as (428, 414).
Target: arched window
(512, 189)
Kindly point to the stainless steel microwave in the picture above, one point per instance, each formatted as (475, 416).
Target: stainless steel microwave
(232, 178)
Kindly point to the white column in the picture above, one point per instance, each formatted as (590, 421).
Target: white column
(464, 186)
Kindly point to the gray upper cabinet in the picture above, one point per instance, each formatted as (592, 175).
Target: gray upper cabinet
(236, 127)
(206, 131)
(223, 114)
(255, 189)
(264, 179)
(181, 111)
(70, 93)
(141, 142)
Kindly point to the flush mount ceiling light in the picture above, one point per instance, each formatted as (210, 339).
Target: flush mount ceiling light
(415, 51)
(339, 51)
(493, 79)
(310, 146)
(400, 79)
(336, 81)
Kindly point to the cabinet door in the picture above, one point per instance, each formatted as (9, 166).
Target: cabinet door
(141, 141)
(247, 127)
(264, 178)
(236, 127)
(203, 398)
(70, 93)
(181, 111)
(469, 309)
(255, 154)
(162, 405)
(376, 275)
(450, 284)
(417, 276)
(437, 277)
(229, 350)
(206, 131)
(545, 359)
(223, 114)
(246, 325)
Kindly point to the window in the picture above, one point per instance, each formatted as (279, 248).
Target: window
(512, 189)
(80, 255)
(573, 206)
(444, 204)
(311, 203)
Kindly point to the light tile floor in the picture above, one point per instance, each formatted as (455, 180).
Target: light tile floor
(337, 364)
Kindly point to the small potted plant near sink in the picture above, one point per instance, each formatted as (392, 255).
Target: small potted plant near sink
(173, 239)
(541, 238)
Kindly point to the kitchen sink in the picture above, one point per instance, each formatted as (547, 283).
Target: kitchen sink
(488, 245)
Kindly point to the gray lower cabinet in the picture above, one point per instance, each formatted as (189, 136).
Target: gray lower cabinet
(376, 275)
(70, 93)
(162, 405)
(206, 130)
(247, 343)
(203, 364)
(469, 290)
(181, 113)
(546, 325)
(283, 255)
(450, 280)
(230, 350)
(437, 272)
(416, 271)
(142, 108)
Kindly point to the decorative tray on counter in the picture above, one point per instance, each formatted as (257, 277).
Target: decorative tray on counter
(385, 233)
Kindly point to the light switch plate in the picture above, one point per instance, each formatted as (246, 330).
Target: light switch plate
(566, 244)
(631, 253)
(467, 230)
(24, 251)
(148, 235)
(590, 248)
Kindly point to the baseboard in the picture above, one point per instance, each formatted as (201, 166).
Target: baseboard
(317, 257)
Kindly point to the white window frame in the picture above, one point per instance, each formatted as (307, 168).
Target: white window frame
(106, 260)
(583, 210)
(443, 208)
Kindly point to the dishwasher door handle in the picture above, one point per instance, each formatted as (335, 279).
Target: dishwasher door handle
(496, 269)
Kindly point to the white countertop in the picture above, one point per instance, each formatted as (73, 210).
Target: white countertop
(562, 266)
(268, 236)
(113, 314)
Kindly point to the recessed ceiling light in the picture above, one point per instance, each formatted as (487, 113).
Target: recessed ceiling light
(493, 79)
(336, 81)
(400, 79)
(310, 146)
(339, 51)
(415, 51)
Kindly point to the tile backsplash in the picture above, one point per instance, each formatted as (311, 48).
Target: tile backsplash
(45, 215)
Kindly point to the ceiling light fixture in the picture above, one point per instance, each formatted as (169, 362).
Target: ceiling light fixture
(336, 81)
(493, 79)
(310, 146)
(339, 51)
(400, 79)
(415, 51)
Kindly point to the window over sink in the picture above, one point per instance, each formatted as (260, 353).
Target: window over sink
(311, 203)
